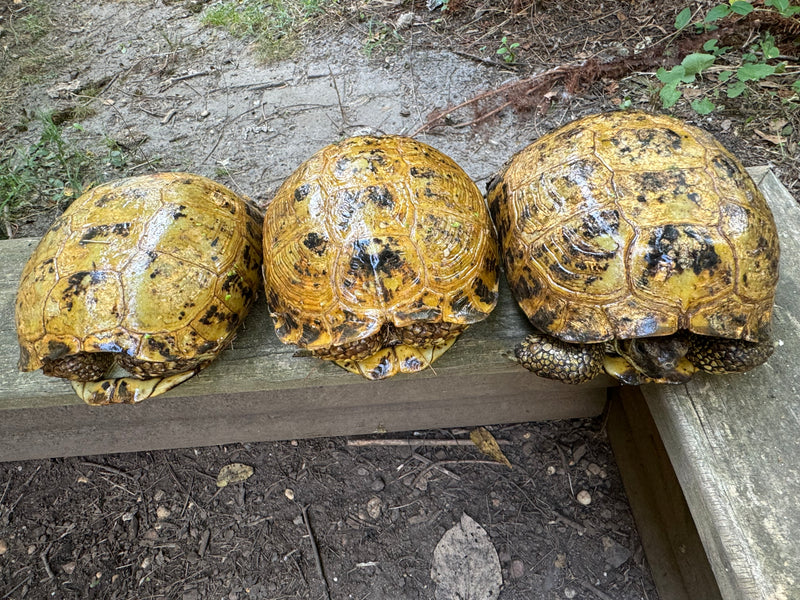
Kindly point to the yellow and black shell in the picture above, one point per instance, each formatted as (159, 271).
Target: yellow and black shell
(154, 272)
(628, 224)
(378, 252)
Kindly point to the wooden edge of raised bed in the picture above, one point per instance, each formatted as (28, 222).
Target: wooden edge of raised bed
(734, 443)
(258, 390)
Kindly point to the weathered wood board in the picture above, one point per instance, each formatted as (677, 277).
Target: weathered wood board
(257, 390)
(734, 442)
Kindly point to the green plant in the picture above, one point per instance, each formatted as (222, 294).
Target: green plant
(53, 169)
(381, 38)
(274, 24)
(506, 50)
(753, 66)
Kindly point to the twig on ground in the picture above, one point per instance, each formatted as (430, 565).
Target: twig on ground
(24, 485)
(16, 587)
(106, 468)
(599, 593)
(408, 442)
(338, 97)
(317, 558)
(43, 556)
(565, 464)
(169, 82)
(581, 529)
(428, 462)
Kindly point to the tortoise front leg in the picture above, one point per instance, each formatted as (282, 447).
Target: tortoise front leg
(720, 355)
(549, 357)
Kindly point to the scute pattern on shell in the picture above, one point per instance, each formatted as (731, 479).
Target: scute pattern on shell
(376, 230)
(160, 267)
(629, 224)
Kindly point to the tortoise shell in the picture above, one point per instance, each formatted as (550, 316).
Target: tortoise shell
(375, 231)
(627, 224)
(157, 270)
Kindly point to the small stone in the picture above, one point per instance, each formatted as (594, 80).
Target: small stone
(159, 495)
(69, 568)
(83, 479)
(289, 493)
(584, 497)
(551, 470)
(377, 485)
(517, 569)
(146, 563)
(3, 547)
(31, 550)
(405, 21)
(615, 554)
(570, 592)
(162, 512)
(594, 469)
(374, 507)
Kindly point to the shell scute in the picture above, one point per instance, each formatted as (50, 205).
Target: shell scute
(371, 232)
(133, 266)
(644, 217)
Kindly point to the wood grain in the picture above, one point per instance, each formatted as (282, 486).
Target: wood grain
(734, 442)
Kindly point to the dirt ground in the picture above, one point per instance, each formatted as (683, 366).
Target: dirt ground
(139, 87)
(155, 525)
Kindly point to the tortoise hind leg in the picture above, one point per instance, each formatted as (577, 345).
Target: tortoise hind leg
(549, 357)
(719, 355)
(127, 390)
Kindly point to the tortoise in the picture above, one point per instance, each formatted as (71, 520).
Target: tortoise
(636, 244)
(378, 253)
(153, 274)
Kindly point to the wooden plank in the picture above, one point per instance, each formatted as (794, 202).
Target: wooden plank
(677, 559)
(257, 390)
(734, 442)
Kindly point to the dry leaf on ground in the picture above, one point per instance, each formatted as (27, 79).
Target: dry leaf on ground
(488, 445)
(465, 564)
(233, 473)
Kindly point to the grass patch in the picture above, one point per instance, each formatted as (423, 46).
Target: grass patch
(382, 38)
(28, 56)
(53, 171)
(274, 25)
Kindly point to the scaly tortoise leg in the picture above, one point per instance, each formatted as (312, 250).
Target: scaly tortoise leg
(719, 355)
(549, 357)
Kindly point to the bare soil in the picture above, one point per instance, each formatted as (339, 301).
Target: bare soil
(144, 87)
(155, 525)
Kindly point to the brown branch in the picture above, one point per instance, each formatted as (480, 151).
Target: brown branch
(532, 92)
